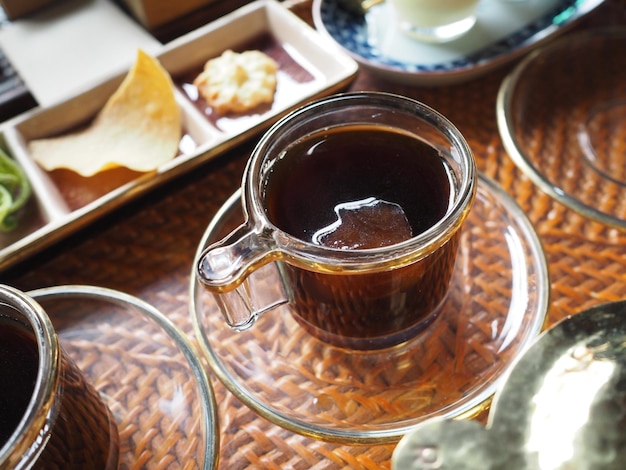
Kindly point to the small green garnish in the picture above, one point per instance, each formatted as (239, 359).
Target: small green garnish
(14, 191)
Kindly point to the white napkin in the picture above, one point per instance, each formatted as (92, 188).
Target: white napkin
(70, 47)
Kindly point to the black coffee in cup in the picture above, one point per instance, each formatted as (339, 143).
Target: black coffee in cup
(18, 373)
(386, 175)
(359, 199)
(362, 187)
(50, 417)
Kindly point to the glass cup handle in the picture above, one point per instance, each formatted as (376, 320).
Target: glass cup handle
(230, 268)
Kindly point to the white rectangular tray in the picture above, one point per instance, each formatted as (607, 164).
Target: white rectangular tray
(310, 67)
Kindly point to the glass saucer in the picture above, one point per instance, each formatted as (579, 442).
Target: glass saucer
(562, 117)
(497, 305)
(147, 372)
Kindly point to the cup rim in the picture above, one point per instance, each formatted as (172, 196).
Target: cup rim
(24, 445)
(408, 251)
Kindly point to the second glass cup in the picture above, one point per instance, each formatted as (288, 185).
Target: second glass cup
(359, 199)
(50, 416)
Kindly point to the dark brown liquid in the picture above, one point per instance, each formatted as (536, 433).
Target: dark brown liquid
(330, 169)
(19, 359)
(355, 188)
(83, 435)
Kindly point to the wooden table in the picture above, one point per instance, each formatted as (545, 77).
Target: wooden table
(147, 249)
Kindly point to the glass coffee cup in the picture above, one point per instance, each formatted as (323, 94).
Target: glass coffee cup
(51, 417)
(358, 199)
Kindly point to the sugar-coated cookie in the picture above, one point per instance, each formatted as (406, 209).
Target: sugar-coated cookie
(238, 82)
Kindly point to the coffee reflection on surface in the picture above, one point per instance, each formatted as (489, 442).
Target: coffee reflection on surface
(368, 223)
(363, 187)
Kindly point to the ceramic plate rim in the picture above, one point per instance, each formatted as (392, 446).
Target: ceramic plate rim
(440, 75)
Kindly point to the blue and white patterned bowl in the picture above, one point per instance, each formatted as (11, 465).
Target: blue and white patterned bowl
(504, 30)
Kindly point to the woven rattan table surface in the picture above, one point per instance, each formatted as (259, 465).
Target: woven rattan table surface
(147, 249)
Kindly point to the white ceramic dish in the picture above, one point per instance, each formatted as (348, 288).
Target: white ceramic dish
(504, 30)
(310, 66)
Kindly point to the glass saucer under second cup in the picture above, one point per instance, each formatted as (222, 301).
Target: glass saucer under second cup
(146, 370)
(496, 306)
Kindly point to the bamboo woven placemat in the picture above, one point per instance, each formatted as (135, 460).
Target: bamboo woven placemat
(147, 248)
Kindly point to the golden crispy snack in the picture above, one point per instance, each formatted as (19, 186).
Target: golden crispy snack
(138, 128)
